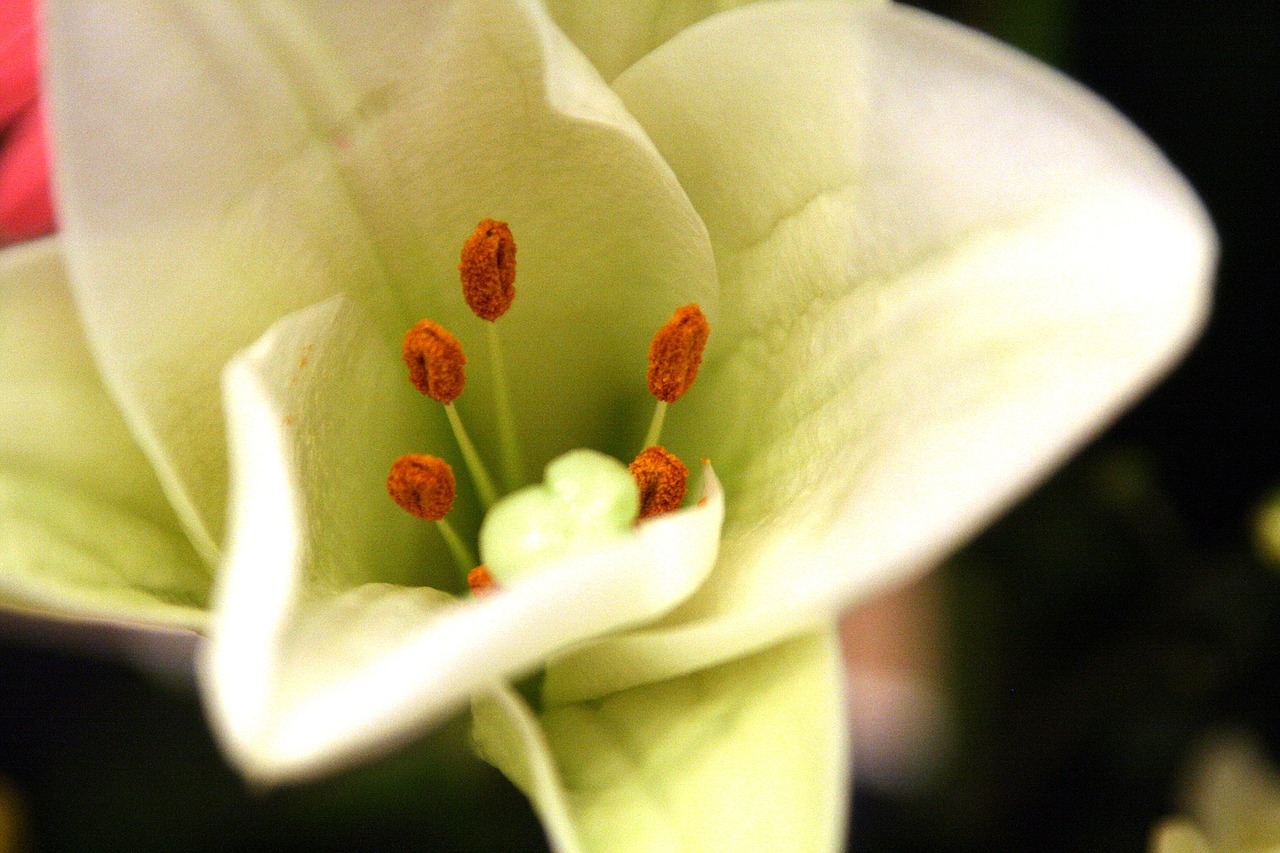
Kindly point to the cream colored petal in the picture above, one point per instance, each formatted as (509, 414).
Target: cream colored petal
(943, 267)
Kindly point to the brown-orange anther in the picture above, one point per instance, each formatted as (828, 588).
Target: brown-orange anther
(481, 582)
(434, 358)
(422, 485)
(662, 479)
(676, 353)
(488, 269)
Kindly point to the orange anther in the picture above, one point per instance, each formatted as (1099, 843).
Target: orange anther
(422, 485)
(676, 353)
(488, 269)
(481, 582)
(662, 479)
(435, 361)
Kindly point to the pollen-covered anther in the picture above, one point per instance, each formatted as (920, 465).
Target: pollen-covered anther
(662, 479)
(488, 269)
(481, 582)
(676, 353)
(422, 485)
(435, 361)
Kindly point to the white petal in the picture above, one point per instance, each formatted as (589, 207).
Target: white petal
(328, 644)
(943, 267)
(84, 529)
(272, 155)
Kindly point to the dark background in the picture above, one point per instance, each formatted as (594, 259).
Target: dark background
(1094, 634)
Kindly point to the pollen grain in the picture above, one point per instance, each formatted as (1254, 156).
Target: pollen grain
(435, 361)
(422, 485)
(676, 353)
(481, 582)
(488, 269)
(662, 479)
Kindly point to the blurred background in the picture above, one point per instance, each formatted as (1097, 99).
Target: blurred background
(1083, 646)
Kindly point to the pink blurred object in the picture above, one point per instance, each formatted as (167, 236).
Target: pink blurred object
(26, 210)
(899, 710)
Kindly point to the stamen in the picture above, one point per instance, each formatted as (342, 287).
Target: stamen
(674, 357)
(662, 479)
(488, 269)
(435, 359)
(481, 582)
(422, 485)
(676, 353)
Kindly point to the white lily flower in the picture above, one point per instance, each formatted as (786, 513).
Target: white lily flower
(932, 268)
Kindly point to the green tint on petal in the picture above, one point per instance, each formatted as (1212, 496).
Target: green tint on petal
(332, 642)
(509, 736)
(943, 266)
(615, 33)
(276, 154)
(751, 755)
(586, 500)
(84, 529)
(67, 553)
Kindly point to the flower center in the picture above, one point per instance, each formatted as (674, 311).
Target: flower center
(586, 497)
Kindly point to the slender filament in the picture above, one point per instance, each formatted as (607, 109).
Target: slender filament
(461, 553)
(512, 467)
(475, 465)
(655, 425)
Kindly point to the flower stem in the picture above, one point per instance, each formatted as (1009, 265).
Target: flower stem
(655, 425)
(461, 553)
(512, 472)
(479, 474)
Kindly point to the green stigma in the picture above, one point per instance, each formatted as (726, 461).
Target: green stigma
(585, 500)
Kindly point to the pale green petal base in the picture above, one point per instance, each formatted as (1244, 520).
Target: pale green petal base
(748, 756)
(84, 529)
